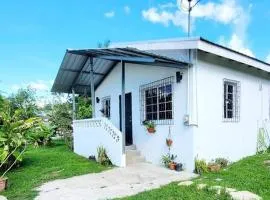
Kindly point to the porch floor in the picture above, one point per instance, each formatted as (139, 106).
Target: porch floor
(117, 182)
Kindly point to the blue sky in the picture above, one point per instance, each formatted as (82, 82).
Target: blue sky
(35, 34)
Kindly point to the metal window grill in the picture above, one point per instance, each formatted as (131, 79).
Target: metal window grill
(106, 106)
(231, 101)
(156, 101)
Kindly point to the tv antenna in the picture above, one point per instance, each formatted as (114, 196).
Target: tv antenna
(189, 9)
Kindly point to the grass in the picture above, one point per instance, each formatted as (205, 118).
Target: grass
(249, 174)
(43, 164)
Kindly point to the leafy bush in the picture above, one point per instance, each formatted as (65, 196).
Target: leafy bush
(103, 158)
(223, 162)
(12, 136)
(40, 135)
(200, 166)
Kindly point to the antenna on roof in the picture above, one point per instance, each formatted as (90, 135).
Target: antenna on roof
(189, 9)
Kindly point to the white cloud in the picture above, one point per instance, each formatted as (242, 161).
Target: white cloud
(268, 58)
(237, 44)
(162, 16)
(39, 85)
(167, 5)
(109, 14)
(227, 12)
(127, 9)
(42, 88)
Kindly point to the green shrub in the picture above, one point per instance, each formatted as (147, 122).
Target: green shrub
(200, 166)
(103, 158)
(40, 135)
(12, 137)
(223, 162)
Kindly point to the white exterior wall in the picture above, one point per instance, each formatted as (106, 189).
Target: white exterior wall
(151, 146)
(233, 140)
(89, 134)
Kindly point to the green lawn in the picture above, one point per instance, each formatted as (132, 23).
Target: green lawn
(43, 164)
(248, 174)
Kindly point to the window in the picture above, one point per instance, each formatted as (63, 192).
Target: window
(106, 107)
(231, 100)
(157, 102)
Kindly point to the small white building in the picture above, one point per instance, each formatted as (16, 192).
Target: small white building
(210, 98)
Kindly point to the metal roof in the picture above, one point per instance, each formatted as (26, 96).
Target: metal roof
(74, 71)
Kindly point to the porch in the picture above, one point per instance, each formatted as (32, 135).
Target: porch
(82, 72)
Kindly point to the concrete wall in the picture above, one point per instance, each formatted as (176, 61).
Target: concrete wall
(233, 140)
(151, 146)
(89, 134)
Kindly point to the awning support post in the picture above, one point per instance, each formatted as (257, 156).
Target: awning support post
(73, 105)
(92, 88)
(123, 106)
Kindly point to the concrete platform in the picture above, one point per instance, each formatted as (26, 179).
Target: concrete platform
(117, 182)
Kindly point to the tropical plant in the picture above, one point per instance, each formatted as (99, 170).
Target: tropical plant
(166, 159)
(103, 158)
(200, 166)
(149, 124)
(263, 141)
(40, 135)
(12, 136)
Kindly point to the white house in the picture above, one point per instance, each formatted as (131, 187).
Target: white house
(210, 98)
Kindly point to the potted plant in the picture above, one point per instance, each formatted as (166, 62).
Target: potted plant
(179, 167)
(166, 159)
(150, 126)
(172, 163)
(169, 142)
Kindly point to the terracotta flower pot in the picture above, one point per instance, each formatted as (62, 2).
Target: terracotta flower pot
(172, 165)
(169, 142)
(151, 130)
(3, 184)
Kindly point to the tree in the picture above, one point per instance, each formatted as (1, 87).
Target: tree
(60, 118)
(24, 103)
(105, 44)
(84, 108)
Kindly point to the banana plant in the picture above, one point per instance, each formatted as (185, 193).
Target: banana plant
(12, 136)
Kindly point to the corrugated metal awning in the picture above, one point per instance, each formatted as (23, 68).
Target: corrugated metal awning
(74, 71)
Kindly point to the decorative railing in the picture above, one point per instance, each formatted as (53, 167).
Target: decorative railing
(90, 133)
(100, 122)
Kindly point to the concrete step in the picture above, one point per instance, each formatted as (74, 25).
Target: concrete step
(130, 147)
(134, 160)
(133, 156)
(130, 153)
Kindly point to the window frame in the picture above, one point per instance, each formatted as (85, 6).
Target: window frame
(103, 102)
(233, 96)
(158, 85)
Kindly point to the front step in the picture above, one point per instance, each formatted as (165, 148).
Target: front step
(133, 156)
(130, 147)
